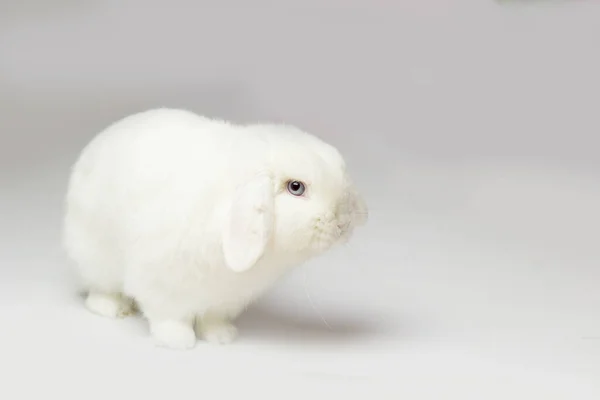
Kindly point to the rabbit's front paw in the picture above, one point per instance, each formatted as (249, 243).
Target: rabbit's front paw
(220, 332)
(173, 334)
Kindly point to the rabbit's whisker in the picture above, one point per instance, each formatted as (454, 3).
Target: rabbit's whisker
(310, 300)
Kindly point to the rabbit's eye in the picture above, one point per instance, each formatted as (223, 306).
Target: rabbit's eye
(296, 188)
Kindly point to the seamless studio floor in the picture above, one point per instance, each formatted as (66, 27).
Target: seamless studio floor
(470, 278)
(477, 276)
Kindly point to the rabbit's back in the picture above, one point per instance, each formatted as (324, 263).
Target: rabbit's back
(144, 176)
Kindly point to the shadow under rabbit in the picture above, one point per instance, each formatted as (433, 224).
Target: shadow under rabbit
(263, 323)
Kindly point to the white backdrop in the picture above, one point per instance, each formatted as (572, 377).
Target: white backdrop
(472, 127)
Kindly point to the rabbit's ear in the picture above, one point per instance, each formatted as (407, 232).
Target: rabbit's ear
(249, 224)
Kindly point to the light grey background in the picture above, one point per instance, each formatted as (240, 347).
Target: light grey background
(472, 127)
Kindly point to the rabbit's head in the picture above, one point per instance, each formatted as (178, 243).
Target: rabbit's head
(296, 200)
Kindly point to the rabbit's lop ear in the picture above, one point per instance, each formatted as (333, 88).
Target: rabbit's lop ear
(249, 224)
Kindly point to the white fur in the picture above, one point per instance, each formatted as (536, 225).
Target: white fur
(189, 219)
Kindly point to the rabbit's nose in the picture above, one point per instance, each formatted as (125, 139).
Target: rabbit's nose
(343, 225)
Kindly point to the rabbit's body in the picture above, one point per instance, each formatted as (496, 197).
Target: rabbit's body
(190, 217)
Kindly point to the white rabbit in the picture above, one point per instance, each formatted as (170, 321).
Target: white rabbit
(190, 219)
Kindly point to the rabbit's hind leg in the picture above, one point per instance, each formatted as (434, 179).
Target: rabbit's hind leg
(111, 305)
